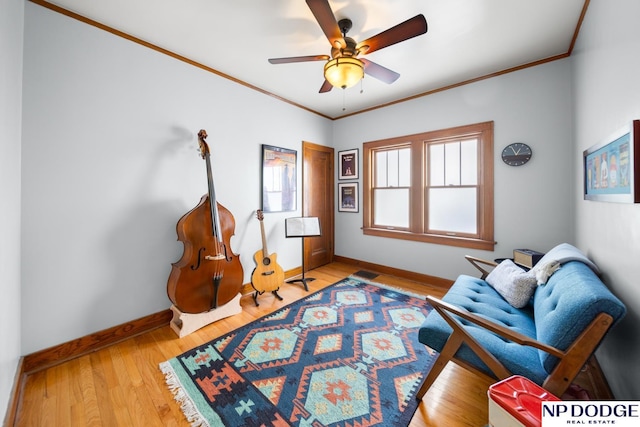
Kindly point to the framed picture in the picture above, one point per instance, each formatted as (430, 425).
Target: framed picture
(610, 173)
(348, 197)
(279, 179)
(348, 164)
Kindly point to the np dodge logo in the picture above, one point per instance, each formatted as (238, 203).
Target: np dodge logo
(618, 413)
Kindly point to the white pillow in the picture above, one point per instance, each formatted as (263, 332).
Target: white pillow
(514, 284)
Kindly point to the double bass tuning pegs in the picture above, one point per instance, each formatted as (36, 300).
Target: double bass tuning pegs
(203, 147)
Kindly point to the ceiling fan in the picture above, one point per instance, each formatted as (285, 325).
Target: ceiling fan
(343, 68)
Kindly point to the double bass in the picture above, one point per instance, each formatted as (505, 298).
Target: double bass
(208, 274)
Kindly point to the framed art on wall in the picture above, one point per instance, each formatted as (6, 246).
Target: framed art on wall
(279, 179)
(348, 164)
(348, 197)
(610, 167)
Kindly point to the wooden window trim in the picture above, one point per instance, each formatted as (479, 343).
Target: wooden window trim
(485, 238)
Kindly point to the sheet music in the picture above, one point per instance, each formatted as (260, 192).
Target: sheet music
(302, 226)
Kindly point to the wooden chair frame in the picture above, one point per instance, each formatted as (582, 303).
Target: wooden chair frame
(571, 361)
(476, 262)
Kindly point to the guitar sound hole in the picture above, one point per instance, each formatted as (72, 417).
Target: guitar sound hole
(266, 261)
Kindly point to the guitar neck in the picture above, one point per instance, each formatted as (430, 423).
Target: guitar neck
(265, 252)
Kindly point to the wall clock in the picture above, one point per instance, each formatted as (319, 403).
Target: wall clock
(516, 154)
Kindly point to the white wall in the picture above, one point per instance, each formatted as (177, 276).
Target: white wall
(606, 86)
(11, 27)
(533, 203)
(110, 164)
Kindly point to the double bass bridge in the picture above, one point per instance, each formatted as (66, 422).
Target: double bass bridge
(217, 257)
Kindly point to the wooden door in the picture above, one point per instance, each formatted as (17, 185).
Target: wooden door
(318, 200)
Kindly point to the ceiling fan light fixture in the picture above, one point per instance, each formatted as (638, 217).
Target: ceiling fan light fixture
(344, 72)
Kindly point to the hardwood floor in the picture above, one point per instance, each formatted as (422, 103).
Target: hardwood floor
(122, 386)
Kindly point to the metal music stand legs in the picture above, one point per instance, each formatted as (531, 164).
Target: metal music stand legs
(303, 279)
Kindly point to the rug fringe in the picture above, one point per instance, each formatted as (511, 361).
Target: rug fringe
(187, 406)
(391, 288)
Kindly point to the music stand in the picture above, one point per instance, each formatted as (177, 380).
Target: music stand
(306, 226)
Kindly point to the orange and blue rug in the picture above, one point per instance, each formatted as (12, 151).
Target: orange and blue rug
(347, 355)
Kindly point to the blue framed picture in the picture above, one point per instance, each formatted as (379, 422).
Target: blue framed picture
(610, 167)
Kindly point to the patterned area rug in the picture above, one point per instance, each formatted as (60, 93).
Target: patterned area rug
(347, 355)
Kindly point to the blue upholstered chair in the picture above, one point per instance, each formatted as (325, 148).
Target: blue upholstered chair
(547, 341)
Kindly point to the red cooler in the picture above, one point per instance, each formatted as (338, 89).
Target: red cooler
(517, 401)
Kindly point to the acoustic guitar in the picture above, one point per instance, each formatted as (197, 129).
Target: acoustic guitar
(268, 275)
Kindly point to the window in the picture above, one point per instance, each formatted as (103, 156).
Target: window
(433, 187)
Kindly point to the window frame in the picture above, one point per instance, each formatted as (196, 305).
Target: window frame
(418, 210)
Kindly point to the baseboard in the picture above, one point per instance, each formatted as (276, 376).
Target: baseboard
(70, 350)
(61, 353)
(404, 274)
(16, 395)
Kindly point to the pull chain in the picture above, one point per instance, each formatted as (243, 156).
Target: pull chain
(344, 106)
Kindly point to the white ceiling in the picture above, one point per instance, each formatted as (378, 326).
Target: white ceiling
(466, 39)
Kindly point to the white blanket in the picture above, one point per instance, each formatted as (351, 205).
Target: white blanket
(565, 252)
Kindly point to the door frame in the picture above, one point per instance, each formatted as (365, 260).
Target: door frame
(307, 194)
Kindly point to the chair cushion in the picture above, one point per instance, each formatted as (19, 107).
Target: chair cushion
(477, 296)
(567, 304)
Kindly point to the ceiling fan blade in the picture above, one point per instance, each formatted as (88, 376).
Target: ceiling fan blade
(327, 21)
(326, 87)
(408, 29)
(379, 72)
(299, 59)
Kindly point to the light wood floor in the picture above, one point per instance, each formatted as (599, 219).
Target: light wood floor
(122, 385)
